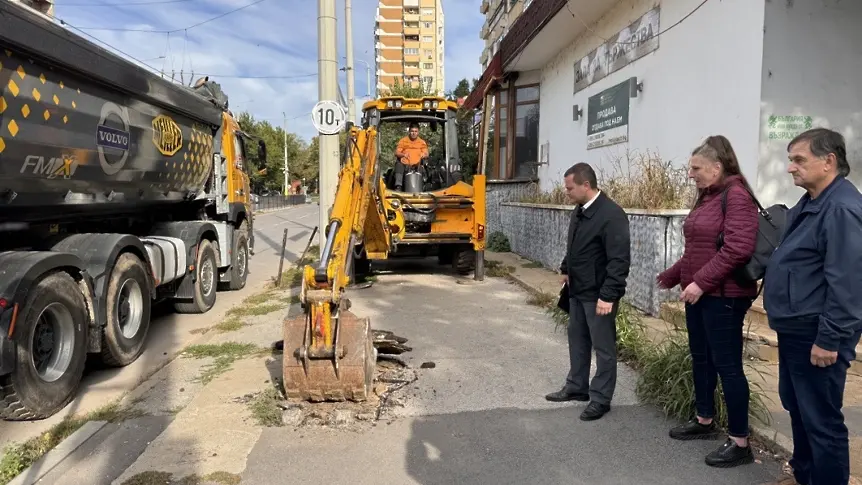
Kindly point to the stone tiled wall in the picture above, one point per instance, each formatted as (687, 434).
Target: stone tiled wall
(538, 232)
(496, 193)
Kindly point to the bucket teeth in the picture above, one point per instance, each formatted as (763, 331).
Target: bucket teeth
(320, 380)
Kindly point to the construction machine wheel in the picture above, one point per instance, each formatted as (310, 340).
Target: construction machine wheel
(464, 260)
(317, 380)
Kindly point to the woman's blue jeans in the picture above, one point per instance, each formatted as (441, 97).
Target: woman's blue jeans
(715, 340)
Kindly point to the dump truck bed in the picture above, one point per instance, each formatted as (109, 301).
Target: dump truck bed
(83, 131)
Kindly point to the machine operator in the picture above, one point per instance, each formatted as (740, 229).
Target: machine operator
(411, 150)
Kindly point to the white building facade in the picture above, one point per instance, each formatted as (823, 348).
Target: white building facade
(618, 79)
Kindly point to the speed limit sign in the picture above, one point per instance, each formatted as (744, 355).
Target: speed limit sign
(328, 117)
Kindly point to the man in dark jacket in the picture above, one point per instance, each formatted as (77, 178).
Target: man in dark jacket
(596, 266)
(811, 299)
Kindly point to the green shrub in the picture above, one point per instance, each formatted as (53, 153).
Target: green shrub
(498, 243)
(665, 378)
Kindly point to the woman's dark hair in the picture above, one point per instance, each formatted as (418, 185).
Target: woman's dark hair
(718, 149)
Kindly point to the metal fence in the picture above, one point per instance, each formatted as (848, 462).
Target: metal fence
(273, 202)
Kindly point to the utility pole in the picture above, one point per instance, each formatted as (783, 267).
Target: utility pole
(348, 33)
(367, 78)
(286, 171)
(327, 66)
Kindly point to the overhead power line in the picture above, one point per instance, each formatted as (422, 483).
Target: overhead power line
(123, 4)
(153, 31)
(222, 76)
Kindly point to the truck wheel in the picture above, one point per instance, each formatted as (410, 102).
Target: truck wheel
(239, 261)
(128, 312)
(51, 338)
(464, 260)
(206, 281)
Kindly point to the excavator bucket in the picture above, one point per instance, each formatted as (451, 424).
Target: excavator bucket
(346, 375)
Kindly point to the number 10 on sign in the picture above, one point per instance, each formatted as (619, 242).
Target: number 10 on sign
(328, 117)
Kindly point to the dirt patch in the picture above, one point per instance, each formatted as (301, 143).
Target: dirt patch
(270, 408)
(164, 478)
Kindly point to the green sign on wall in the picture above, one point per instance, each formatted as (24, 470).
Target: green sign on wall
(787, 127)
(608, 116)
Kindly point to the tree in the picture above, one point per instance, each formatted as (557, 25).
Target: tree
(468, 152)
(269, 174)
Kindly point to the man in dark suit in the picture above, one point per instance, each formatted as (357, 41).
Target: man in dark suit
(596, 266)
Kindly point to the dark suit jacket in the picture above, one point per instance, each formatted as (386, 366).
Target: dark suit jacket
(598, 252)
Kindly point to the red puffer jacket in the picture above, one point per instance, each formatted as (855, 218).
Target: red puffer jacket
(701, 262)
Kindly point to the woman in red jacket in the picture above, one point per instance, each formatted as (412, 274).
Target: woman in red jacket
(715, 303)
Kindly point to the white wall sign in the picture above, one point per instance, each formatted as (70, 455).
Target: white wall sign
(328, 117)
(628, 45)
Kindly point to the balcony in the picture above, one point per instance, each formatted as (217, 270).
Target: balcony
(484, 57)
(411, 3)
(483, 9)
(411, 31)
(483, 34)
(382, 32)
(411, 17)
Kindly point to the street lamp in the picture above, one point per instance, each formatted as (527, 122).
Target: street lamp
(367, 76)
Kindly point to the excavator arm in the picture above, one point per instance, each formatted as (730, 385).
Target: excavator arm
(328, 351)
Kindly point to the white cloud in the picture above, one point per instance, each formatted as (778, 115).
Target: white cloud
(273, 38)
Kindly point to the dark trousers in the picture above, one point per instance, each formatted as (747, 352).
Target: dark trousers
(588, 331)
(715, 341)
(402, 168)
(814, 396)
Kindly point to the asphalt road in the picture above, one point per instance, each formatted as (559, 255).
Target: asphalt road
(170, 332)
(479, 416)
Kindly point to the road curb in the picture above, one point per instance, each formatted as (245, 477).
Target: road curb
(56, 455)
(776, 442)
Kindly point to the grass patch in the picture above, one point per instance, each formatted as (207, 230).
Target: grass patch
(165, 478)
(265, 409)
(542, 299)
(18, 457)
(253, 310)
(532, 264)
(224, 354)
(498, 269)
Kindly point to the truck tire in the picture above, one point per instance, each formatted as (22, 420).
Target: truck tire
(464, 260)
(206, 281)
(238, 271)
(51, 338)
(128, 310)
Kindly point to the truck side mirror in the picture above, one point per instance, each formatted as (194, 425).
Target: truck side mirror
(261, 151)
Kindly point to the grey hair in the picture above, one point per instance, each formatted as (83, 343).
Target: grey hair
(822, 142)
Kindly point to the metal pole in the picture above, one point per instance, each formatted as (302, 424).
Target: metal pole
(348, 33)
(367, 77)
(327, 65)
(286, 173)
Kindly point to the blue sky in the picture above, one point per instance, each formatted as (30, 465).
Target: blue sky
(271, 38)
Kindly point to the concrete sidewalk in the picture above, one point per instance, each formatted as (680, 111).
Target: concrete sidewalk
(761, 351)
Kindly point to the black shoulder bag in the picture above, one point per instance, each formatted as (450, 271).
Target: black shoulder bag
(770, 227)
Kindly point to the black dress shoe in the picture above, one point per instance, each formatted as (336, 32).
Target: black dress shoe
(563, 396)
(730, 455)
(594, 411)
(693, 430)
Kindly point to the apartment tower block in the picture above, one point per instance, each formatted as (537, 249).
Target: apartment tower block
(409, 44)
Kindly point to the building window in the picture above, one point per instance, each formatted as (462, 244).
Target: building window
(428, 65)
(516, 113)
(427, 38)
(429, 25)
(411, 51)
(427, 11)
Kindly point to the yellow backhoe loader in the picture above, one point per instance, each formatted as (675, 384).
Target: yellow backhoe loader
(329, 353)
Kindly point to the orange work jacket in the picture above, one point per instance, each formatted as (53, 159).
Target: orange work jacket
(412, 149)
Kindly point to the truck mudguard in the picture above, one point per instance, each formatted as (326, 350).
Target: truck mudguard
(99, 252)
(19, 270)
